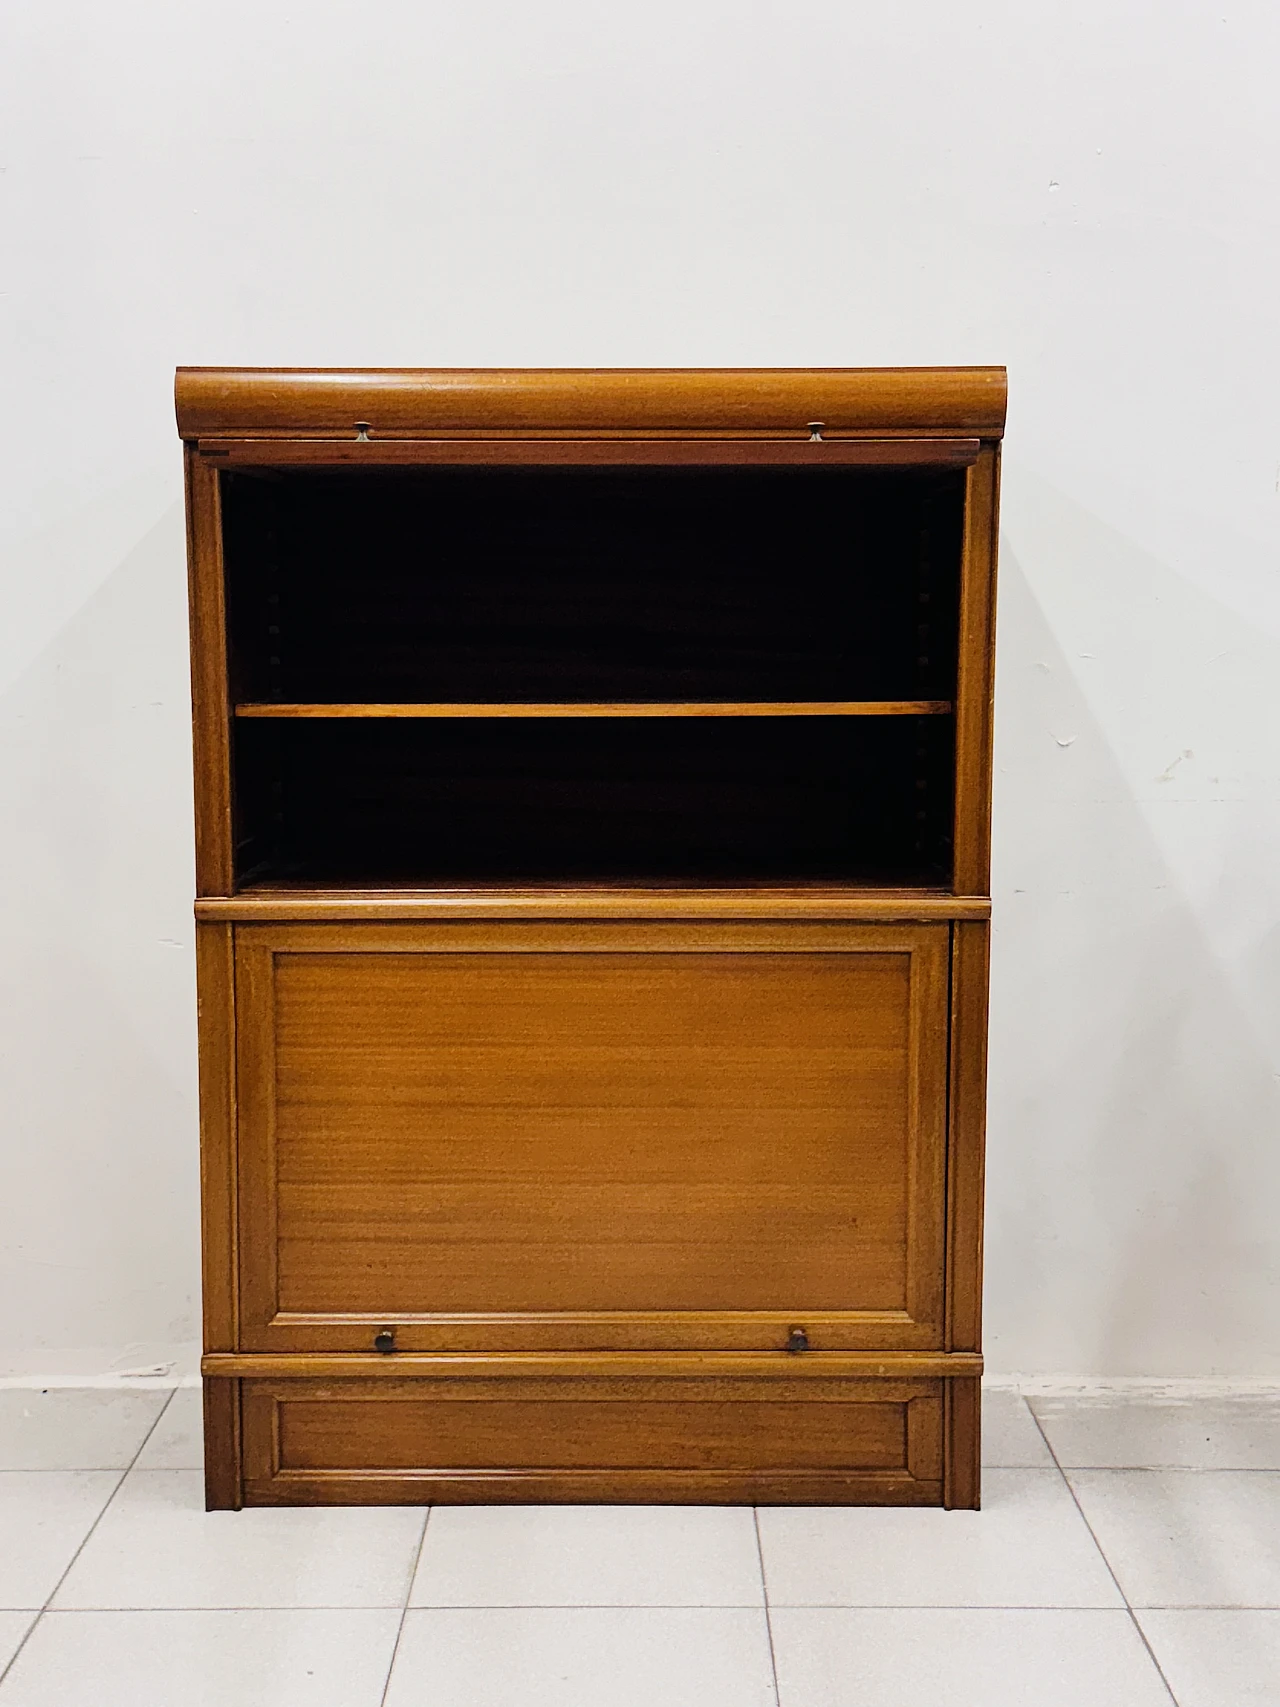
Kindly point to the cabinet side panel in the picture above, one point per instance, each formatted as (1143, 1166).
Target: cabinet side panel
(223, 1481)
(210, 712)
(215, 987)
(975, 678)
(968, 1120)
(962, 1445)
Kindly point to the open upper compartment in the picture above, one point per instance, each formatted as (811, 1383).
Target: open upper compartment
(505, 628)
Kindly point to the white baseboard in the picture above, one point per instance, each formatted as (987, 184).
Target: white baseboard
(139, 1365)
(1171, 1387)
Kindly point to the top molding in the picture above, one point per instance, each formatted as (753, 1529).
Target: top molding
(303, 403)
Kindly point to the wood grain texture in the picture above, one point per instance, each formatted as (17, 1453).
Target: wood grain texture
(622, 708)
(532, 1367)
(215, 994)
(592, 1139)
(962, 1445)
(547, 1122)
(223, 1484)
(283, 903)
(975, 680)
(417, 401)
(584, 1438)
(210, 698)
(967, 1135)
(612, 452)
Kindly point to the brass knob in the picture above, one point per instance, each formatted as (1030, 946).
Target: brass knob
(385, 1340)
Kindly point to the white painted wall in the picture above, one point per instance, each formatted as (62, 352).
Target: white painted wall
(1085, 191)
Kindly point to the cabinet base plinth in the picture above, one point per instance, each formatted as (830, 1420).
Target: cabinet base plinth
(591, 1437)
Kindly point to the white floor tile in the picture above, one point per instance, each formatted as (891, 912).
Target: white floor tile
(13, 1627)
(204, 1659)
(1187, 1537)
(1118, 1432)
(74, 1428)
(1218, 1659)
(605, 1555)
(901, 1658)
(583, 1657)
(177, 1442)
(1026, 1547)
(44, 1516)
(158, 1548)
(1010, 1438)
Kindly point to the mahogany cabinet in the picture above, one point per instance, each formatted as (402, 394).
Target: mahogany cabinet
(592, 805)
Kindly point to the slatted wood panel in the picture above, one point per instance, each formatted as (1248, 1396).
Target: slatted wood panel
(627, 1122)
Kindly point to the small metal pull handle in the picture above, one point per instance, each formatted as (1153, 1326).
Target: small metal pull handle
(815, 431)
(797, 1340)
(362, 432)
(385, 1340)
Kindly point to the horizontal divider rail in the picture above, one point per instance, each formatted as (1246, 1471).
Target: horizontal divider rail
(867, 1365)
(268, 904)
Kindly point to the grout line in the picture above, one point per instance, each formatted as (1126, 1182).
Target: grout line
(404, 1610)
(1213, 1606)
(87, 1534)
(663, 1606)
(587, 1607)
(1172, 1469)
(914, 1606)
(768, 1616)
(498, 1606)
(1133, 1617)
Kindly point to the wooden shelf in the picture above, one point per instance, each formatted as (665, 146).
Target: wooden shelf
(619, 708)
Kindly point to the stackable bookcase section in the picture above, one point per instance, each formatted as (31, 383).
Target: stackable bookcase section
(592, 802)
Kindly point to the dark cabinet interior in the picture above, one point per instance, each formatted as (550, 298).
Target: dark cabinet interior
(709, 595)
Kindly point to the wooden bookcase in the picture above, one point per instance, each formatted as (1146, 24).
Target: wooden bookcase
(592, 807)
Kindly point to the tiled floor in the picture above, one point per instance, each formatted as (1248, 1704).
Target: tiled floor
(1128, 1555)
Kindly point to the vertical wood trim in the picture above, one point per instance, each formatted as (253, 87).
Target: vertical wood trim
(922, 1419)
(967, 1135)
(223, 1476)
(975, 679)
(219, 1222)
(258, 1431)
(210, 708)
(927, 1102)
(256, 1070)
(962, 1445)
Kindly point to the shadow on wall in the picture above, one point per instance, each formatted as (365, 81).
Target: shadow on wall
(1134, 1151)
(98, 1168)
(1134, 1162)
